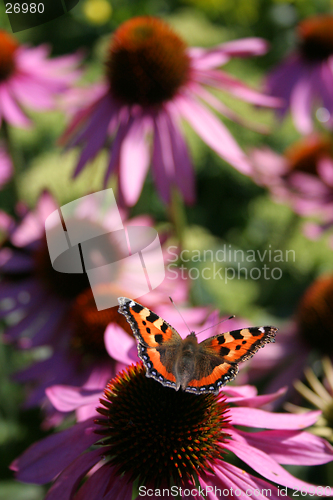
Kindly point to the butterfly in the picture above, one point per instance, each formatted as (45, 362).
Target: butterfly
(199, 368)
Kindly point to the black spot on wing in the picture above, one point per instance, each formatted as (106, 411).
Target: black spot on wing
(164, 327)
(148, 330)
(144, 323)
(221, 340)
(237, 335)
(159, 338)
(256, 332)
(224, 351)
(137, 308)
(152, 317)
(238, 347)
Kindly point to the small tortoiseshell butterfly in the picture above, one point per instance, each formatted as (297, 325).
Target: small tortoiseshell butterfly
(199, 368)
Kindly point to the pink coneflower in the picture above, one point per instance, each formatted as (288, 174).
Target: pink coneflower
(302, 177)
(6, 167)
(29, 79)
(43, 307)
(308, 337)
(154, 437)
(305, 79)
(152, 82)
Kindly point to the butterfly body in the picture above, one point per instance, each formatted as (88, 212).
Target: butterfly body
(199, 368)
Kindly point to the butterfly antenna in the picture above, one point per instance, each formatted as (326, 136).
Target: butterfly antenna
(223, 320)
(172, 302)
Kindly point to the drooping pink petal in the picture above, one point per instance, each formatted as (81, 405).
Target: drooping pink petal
(257, 401)
(246, 47)
(10, 110)
(242, 391)
(221, 80)
(114, 162)
(213, 132)
(97, 484)
(120, 345)
(325, 170)
(66, 398)
(250, 486)
(301, 101)
(219, 55)
(134, 159)
(69, 480)
(289, 447)
(184, 174)
(162, 160)
(266, 466)
(95, 133)
(31, 94)
(45, 459)
(252, 417)
(219, 106)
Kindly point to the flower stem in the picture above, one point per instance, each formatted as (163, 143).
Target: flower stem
(177, 215)
(13, 156)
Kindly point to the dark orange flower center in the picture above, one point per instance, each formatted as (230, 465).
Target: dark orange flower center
(158, 435)
(89, 324)
(303, 156)
(315, 315)
(147, 62)
(316, 36)
(8, 46)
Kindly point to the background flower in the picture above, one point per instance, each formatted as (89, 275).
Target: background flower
(302, 177)
(304, 80)
(29, 79)
(152, 82)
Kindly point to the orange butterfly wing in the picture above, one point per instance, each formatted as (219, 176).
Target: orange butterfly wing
(157, 340)
(220, 355)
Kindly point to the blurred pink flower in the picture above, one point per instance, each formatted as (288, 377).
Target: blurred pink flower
(302, 178)
(305, 339)
(305, 79)
(43, 307)
(6, 166)
(29, 79)
(154, 436)
(153, 81)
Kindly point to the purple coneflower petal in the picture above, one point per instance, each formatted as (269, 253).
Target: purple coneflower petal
(134, 159)
(10, 111)
(66, 398)
(184, 175)
(120, 345)
(233, 477)
(71, 477)
(47, 458)
(301, 101)
(290, 447)
(257, 401)
(266, 465)
(95, 134)
(213, 132)
(97, 484)
(223, 81)
(252, 417)
(114, 162)
(325, 170)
